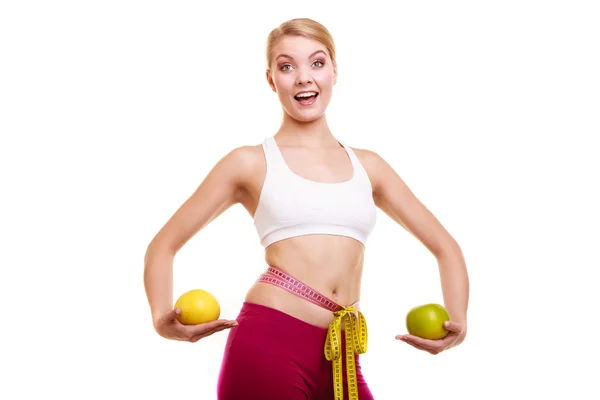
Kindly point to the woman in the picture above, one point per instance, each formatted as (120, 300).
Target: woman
(313, 200)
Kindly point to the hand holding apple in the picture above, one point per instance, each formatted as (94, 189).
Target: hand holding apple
(431, 330)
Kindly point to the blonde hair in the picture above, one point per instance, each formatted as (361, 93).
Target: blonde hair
(305, 27)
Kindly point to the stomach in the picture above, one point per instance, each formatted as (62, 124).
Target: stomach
(329, 264)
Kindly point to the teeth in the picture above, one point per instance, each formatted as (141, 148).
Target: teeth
(307, 94)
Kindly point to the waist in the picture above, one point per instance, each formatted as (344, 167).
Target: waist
(281, 291)
(346, 318)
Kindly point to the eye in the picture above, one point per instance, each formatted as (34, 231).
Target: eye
(282, 68)
(319, 62)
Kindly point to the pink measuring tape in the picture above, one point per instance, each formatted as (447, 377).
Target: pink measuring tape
(277, 277)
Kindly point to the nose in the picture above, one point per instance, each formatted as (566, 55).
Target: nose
(303, 77)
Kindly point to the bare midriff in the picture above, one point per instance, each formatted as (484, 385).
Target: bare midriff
(332, 265)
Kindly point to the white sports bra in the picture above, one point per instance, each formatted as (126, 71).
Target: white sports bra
(290, 205)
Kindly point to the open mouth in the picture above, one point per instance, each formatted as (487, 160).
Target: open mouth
(306, 98)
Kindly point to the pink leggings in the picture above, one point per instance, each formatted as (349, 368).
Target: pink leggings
(272, 355)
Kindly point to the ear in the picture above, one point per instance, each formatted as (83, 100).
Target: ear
(335, 73)
(270, 80)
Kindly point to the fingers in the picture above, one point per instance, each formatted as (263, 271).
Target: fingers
(453, 326)
(202, 329)
(415, 345)
(415, 340)
(431, 346)
(195, 338)
(171, 316)
(197, 332)
(454, 336)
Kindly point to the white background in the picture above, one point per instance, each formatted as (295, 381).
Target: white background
(113, 112)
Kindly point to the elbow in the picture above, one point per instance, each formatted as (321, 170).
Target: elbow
(158, 249)
(448, 249)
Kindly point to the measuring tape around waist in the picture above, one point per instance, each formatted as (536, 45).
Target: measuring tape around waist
(356, 333)
(277, 277)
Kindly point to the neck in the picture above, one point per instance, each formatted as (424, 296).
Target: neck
(312, 133)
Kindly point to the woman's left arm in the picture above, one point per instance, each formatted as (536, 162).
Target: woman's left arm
(394, 197)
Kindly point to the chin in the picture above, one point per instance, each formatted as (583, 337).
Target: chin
(305, 115)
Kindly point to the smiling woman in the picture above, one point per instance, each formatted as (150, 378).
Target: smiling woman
(302, 69)
(313, 201)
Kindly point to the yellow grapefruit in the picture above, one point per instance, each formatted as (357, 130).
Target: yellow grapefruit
(197, 307)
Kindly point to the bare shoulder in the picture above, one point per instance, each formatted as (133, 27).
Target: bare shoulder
(246, 161)
(396, 199)
(222, 187)
(366, 155)
(245, 156)
(376, 166)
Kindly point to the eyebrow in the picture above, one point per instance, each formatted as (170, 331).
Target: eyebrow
(310, 56)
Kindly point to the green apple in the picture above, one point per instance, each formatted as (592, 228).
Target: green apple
(427, 321)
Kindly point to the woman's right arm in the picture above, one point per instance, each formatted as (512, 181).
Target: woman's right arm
(221, 188)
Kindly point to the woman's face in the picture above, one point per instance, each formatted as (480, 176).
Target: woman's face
(302, 65)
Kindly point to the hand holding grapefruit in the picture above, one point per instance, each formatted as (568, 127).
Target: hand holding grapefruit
(197, 307)
(195, 316)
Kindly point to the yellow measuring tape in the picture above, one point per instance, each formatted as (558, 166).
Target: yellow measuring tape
(356, 342)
